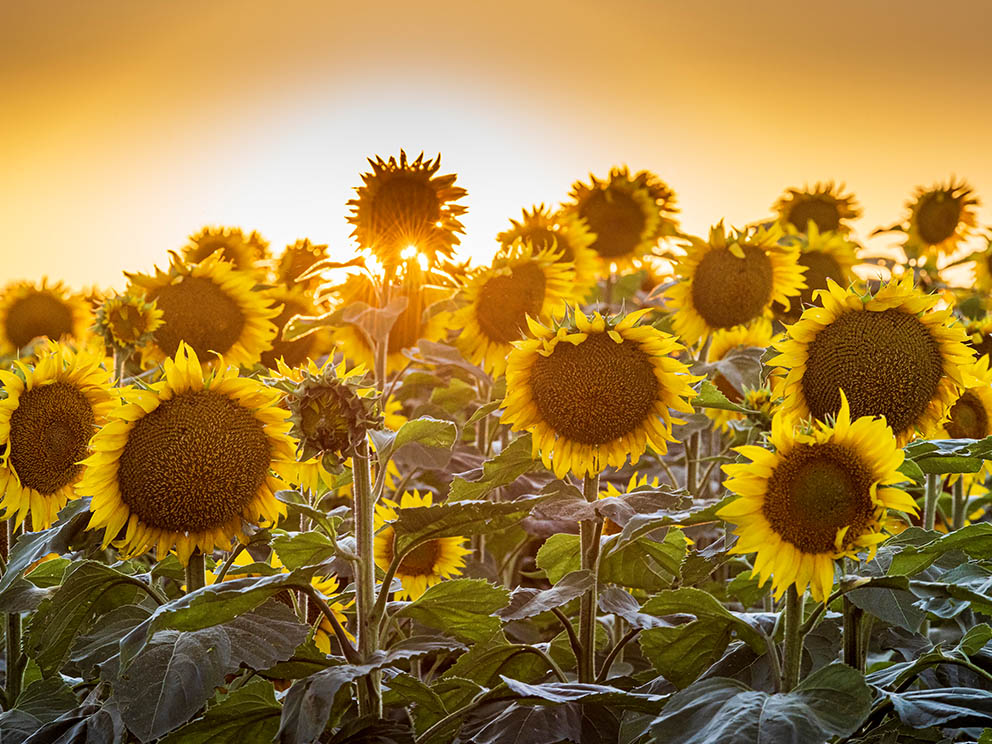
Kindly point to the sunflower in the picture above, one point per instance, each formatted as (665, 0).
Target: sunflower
(824, 205)
(232, 245)
(732, 280)
(971, 415)
(127, 321)
(426, 565)
(296, 260)
(46, 421)
(982, 266)
(636, 481)
(403, 203)
(30, 310)
(756, 335)
(595, 392)
(294, 301)
(979, 334)
(625, 215)
(826, 255)
(893, 354)
(188, 462)
(822, 494)
(212, 307)
(562, 233)
(523, 283)
(940, 217)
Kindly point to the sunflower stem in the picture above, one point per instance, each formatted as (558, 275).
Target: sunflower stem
(792, 658)
(14, 659)
(382, 347)
(930, 497)
(691, 447)
(959, 504)
(853, 616)
(589, 534)
(196, 572)
(370, 693)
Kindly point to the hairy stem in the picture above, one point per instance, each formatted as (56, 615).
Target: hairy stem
(370, 693)
(589, 538)
(930, 497)
(793, 639)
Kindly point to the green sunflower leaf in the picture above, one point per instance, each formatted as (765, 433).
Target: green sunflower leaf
(526, 602)
(250, 713)
(706, 607)
(515, 460)
(462, 608)
(682, 652)
(973, 539)
(560, 693)
(709, 396)
(954, 707)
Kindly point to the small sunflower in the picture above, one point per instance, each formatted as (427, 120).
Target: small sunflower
(246, 252)
(596, 392)
(893, 354)
(426, 565)
(824, 205)
(212, 307)
(979, 334)
(296, 260)
(637, 480)
(758, 334)
(826, 256)
(971, 415)
(982, 267)
(403, 203)
(523, 283)
(625, 215)
(563, 234)
(732, 280)
(30, 310)
(188, 462)
(127, 321)
(822, 494)
(46, 421)
(294, 301)
(941, 217)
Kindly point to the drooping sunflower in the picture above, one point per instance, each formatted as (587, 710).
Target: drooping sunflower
(429, 563)
(402, 203)
(625, 213)
(30, 310)
(212, 307)
(594, 392)
(127, 321)
(246, 252)
(826, 256)
(940, 217)
(893, 354)
(296, 260)
(46, 421)
(970, 417)
(561, 232)
(820, 495)
(824, 205)
(294, 301)
(525, 282)
(979, 334)
(758, 334)
(732, 280)
(189, 462)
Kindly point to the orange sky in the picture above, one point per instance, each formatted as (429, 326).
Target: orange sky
(125, 126)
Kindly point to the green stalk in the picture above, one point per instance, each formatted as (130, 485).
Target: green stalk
(589, 538)
(196, 572)
(930, 497)
(14, 659)
(691, 446)
(793, 655)
(852, 635)
(370, 693)
(959, 504)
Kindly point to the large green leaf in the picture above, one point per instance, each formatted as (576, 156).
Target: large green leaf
(709, 396)
(103, 641)
(526, 602)
(957, 707)
(42, 702)
(973, 539)
(462, 608)
(532, 724)
(485, 662)
(683, 652)
(704, 606)
(576, 692)
(502, 470)
(249, 714)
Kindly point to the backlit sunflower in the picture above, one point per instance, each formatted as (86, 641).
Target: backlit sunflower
(828, 255)
(46, 421)
(758, 334)
(127, 321)
(188, 462)
(971, 415)
(30, 310)
(523, 283)
(979, 334)
(732, 280)
(982, 267)
(426, 565)
(212, 307)
(636, 481)
(564, 234)
(624, 214)
(403, 203)
(294, 301)
(595, 392)
(246, 252)
(893, 355)
(820, 495)
(940, 217)
(824, 205)
(296, 260)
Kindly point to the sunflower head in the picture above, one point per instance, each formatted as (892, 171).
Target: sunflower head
(970, 417)
(296, 260)
(825, 206)
(246, 252)
(594, 390)
(892, 353)
(30, 310)
(940, 217)
(403, 203)
(733, 279)
(826, 255)
(49, 414)
(817, 495)
(979, 334)
(127, 322)
(563, 234)
(294, 301)
(427, 564)
(758, 334)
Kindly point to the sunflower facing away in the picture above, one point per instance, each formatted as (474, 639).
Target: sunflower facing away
(564, 234)
(296, 260)
(30, 310)
(732, 280)
(428, 563)
(523, 283)
(246, 252)
(824, 205)
(46, 421)
(126, 321)
(828, 255)
(758, 334)
(893, 354)
(596, 392)
(941, 217)
(189, 462)
(822, 494)
(294, 301)
(403, 203)
(212, 307)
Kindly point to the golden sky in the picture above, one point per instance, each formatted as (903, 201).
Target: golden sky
(126, 126)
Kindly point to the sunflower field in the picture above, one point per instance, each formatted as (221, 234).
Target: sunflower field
(623, 484)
